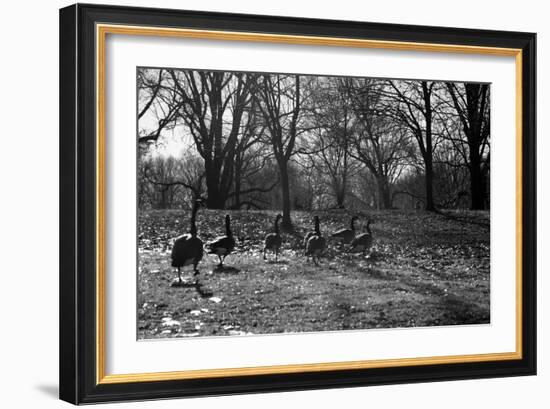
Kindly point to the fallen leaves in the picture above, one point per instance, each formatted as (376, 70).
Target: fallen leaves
(424, 269)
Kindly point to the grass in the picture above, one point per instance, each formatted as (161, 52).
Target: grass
(426, 269)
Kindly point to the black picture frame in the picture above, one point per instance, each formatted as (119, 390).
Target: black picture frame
(78, 236)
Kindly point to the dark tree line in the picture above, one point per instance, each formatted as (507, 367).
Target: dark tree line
(260, 141)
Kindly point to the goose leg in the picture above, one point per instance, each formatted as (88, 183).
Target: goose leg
(264, 253)
(221, 262)
(179, 275)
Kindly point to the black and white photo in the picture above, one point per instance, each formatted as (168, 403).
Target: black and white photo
(281, 203)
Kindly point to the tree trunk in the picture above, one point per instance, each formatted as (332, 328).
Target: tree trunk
(163, 199)
(237, 202)
(216, 199)
(477, 183)
(429, 186)
(428, 157)
(340, 197)
(285, 191)
(339, 192)
(384, 197)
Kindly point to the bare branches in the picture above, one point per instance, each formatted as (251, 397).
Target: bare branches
(343, 141)
(471, 102)
(256, 189)
(278, 98)
(155, 87)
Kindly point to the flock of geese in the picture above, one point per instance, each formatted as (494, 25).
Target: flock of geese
(188, 249)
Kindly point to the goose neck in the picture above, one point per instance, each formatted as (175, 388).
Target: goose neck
(193, 219)
(228, 227)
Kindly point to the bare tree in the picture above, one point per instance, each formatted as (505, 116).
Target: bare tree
(329, 151)
(163, 177)
(472, 104)
(251, 157)
(302, 142)
(414, 108)
(379, 142)
(211, 106)
(279, 100)
(148, 86)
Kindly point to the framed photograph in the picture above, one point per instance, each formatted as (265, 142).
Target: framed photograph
(257, 203)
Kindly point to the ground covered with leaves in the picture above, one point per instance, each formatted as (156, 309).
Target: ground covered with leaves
(425, 269)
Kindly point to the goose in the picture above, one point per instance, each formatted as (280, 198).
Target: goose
(273, 241)
(362, 242)
(187, 249)
(346, 235)
(316, 243)
(309, 234)
(224, 245)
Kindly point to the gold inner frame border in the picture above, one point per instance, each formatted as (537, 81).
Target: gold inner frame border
(102, 30)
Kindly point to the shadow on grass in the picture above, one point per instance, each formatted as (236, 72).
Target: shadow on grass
(464, 219)
(226, 270)
(454, 309)
(378, 274)
(202, 291)
(463, 313)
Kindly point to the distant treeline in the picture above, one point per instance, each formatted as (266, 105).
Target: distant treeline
(278, 141)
